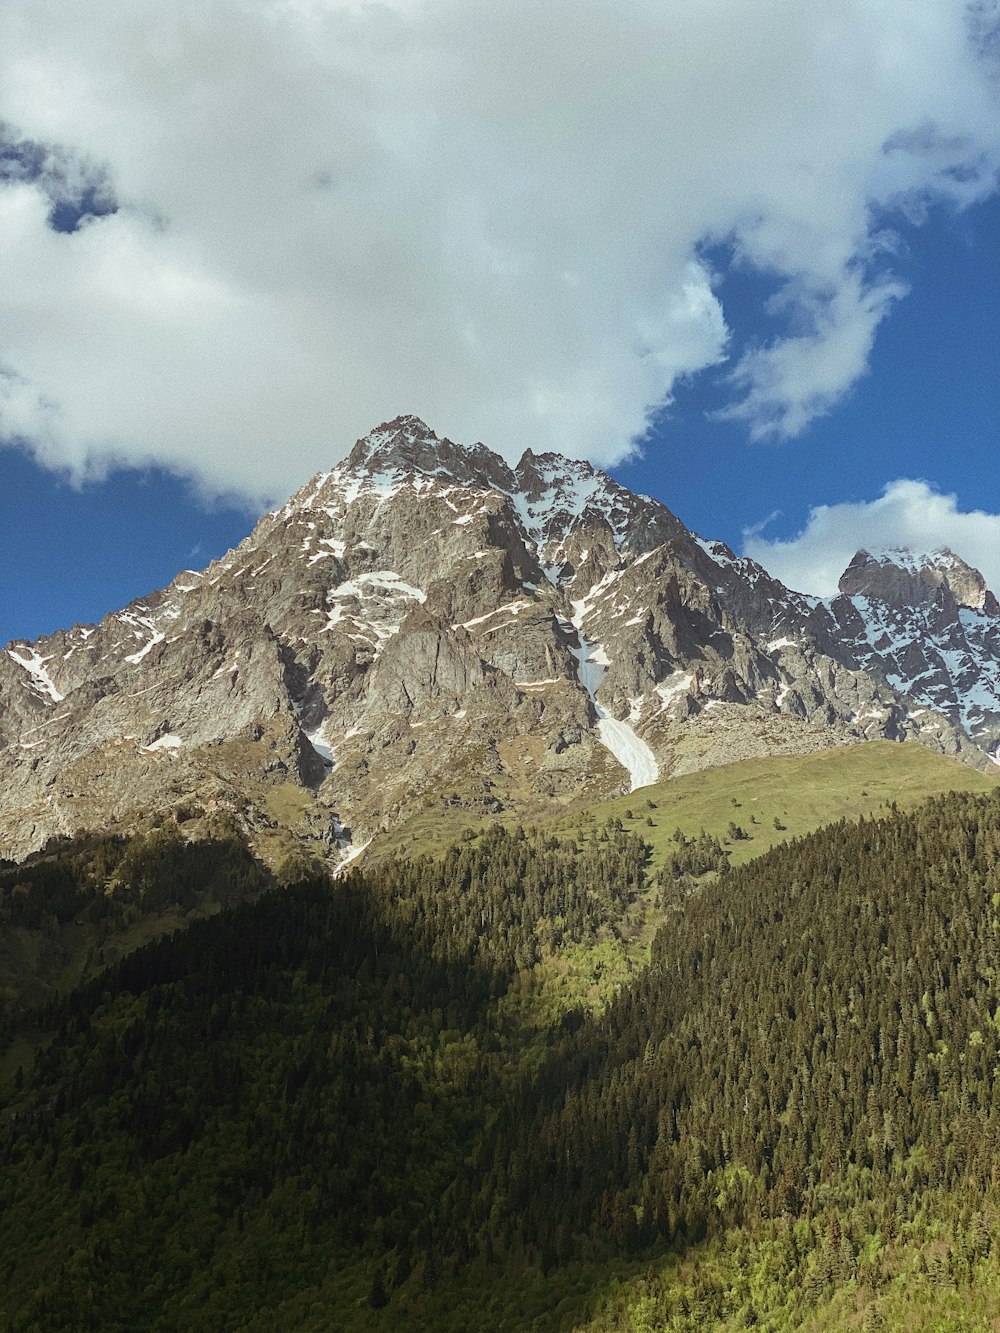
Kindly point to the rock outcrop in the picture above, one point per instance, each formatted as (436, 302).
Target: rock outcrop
(928, 626)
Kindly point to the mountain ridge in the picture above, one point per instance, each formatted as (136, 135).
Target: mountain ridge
(424, 622)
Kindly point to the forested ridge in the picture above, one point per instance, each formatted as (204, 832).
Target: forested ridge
(824, 1010)
(70, 911)
(319, 1109)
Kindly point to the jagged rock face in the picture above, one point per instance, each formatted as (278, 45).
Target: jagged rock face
(906, 580)
(426, 621)
(930, 627)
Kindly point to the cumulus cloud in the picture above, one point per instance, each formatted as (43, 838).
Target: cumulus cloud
(319, 213)
(907, 513)
(786, 385)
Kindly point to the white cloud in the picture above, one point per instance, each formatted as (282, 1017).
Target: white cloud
(490, 215)
(907, 513)
(788, 384)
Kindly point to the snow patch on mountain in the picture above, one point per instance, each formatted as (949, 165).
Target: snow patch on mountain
(718, 552)
(564, 493)
(620, 738)
(629, 749)
(155, 635)
(34, 664)
(323, 746)
(673, 687)
(374, 604)
(349, 854)
(386, 579)
(508, 608)
(168, 741)
(592, 663)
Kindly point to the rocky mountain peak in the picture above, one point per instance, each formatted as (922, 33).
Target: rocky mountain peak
(570, 512)
(904, 578)
(556, 495)
(407, 446)
(424, 618)
(536, 472)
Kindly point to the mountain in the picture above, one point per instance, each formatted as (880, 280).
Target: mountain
(425, 625)
(928, 625)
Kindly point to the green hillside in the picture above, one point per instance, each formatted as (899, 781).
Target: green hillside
(331, 1109)
(728, 816)
(801, 792)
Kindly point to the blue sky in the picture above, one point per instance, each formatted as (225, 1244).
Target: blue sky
(927, 409)
(224, 259)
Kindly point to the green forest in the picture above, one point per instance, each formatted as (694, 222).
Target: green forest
(355, 1104)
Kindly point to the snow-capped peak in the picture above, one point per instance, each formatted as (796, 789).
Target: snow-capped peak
(550, 495)
(903, 577)
(407, 446)
(554, 494)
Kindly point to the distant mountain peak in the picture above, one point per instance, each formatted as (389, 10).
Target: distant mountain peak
(538, 473)
(900, 576)
(407, 445)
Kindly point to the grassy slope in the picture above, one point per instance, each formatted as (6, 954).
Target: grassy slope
(803, 792)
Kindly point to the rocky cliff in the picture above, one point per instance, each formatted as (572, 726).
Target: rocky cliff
(426, 623)
(929, 626)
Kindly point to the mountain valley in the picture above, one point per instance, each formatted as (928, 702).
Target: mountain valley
(477, 902)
